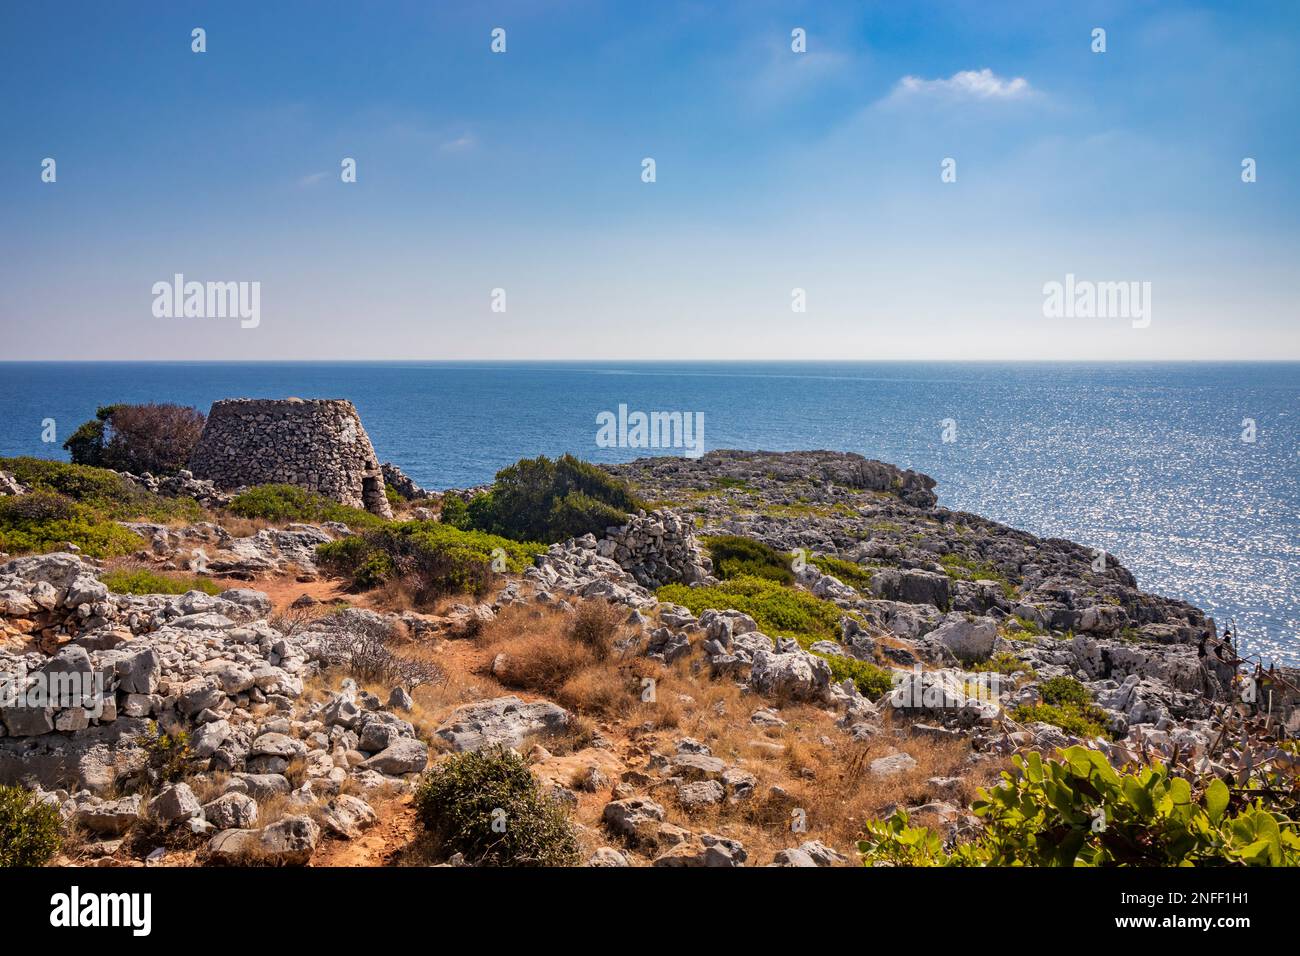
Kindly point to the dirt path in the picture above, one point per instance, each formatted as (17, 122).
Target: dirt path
(380, 845)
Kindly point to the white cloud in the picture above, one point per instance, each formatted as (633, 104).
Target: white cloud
(460, 143)
(312, 179)
(968, 84)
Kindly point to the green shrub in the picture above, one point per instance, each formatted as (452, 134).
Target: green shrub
(1003, 662)
(778, 611)
(395, 499)
(153, 438)
(1081, 722)
(486, 805)
(1064, 690)
(167, 756)
(29, 829)
(281, 504)
(431, 558)
(1080, 811)
(145, 581)
(1066, 704)
(538, 499)
(852, 574)
(105, 492)
(872, 681)
(735, 556)
(43, 521)
(454, 512)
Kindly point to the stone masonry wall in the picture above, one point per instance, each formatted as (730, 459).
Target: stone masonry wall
(317, 444)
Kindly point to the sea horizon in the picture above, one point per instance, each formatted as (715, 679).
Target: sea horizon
(1148, 460)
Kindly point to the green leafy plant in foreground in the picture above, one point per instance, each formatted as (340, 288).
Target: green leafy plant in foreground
(1080, 811)
(487, 805)
(29, 828)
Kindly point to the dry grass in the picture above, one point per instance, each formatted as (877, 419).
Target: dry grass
(240, 527)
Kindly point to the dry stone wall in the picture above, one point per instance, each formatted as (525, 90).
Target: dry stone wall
(317, 444)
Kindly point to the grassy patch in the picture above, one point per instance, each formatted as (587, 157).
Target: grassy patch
(779, 611)
(873, 682)
(735, 556)
(1066, 704)
(855, 575)
(145, 581)
(284, 503)
(1002, 662)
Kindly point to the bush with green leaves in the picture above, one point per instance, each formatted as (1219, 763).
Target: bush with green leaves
(1080, 811)
(737, 556)
(853, 574)
(454, 511)
(105, 492)
(43, 521)
(30, 829)
(782, 611)
(1067, 704)
(779, 611)
(486, 805)
(431, 558)
(873, 682)
(82, 505)
(281, 504)
(540, 499)
(147, 581)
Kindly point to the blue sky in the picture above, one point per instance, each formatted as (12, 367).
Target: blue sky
(775, 171)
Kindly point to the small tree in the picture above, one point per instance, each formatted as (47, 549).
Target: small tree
(137, 438)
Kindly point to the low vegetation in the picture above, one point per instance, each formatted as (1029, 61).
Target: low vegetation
(81, 505)
(963, 568)
(539, 499)
(572, 659)
(425, 559)
(778, 610)
(146, 581)
(781, 611)
(284, 503)
(29, 828)
(487, 806)
(853, 574)
(1067, 704)
(872, 681)
(44, 521)
(1079, 811)
(735, 556)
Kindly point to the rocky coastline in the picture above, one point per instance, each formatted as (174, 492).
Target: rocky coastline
(288, 751)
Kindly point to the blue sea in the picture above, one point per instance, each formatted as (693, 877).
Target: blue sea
(1149, 461)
